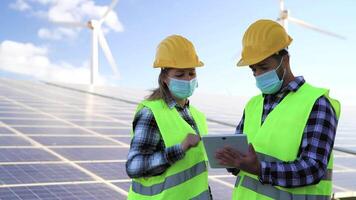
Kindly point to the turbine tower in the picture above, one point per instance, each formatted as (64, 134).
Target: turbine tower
(98, 38)
(284, 18)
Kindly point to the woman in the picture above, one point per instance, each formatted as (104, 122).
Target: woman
(166, 158)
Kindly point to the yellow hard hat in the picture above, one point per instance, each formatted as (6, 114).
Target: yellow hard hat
(177, 52)
(262, 39)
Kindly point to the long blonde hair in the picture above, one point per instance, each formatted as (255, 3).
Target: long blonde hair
(162, 92)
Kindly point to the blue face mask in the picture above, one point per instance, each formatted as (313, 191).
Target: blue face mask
(182, 89)
(269, 82)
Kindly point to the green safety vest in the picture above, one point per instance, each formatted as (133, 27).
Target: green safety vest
(278, 140)
(186, 178)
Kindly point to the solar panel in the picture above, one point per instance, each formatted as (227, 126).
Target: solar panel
(13, 141)
(57, 143)
(24, 154)
(108, 170)
(90, 191)
(39, 173)
(4, 130)
(32, 122)
(28, 115)
(95, 153)
(112, 131)
(88, 123)
(76, 141)
(126, 139)
(29, 130)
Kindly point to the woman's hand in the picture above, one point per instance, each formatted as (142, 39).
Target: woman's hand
(191, 140)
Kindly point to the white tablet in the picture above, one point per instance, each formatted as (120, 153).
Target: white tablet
(214, 142)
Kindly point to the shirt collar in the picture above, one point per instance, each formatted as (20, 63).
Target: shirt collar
(294, 85)
(173, 103)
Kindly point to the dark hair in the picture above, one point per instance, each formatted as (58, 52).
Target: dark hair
(162, 92)
(278, 56)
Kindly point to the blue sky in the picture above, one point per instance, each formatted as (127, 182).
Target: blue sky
(215, 27)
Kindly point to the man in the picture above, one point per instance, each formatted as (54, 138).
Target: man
(291, 126)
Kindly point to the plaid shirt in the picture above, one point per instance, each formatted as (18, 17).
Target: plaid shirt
(315, 148)
(148, 155)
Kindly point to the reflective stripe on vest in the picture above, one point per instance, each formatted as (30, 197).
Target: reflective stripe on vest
(170, 181)
(273, 192)
(202, 196)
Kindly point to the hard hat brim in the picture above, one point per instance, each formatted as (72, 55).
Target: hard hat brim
(241, 63)
(245, 63)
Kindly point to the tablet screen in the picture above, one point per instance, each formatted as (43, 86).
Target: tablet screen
(214, 142)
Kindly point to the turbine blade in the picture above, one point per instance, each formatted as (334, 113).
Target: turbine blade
(111, 6)
(307, 25)
(281, 5)
(70, 24)
(107, 52)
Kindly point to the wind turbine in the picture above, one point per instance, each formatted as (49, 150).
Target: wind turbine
(284, 18)
(98, 38)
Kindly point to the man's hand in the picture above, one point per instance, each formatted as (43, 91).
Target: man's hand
(247, 162)
(191, 140)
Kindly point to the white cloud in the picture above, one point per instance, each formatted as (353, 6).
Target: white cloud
(31, 60)
(67, 11)
(89, 9)
(56, 34)
(20, 5)
(83, 10)
(113, 22)
(44, 2)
